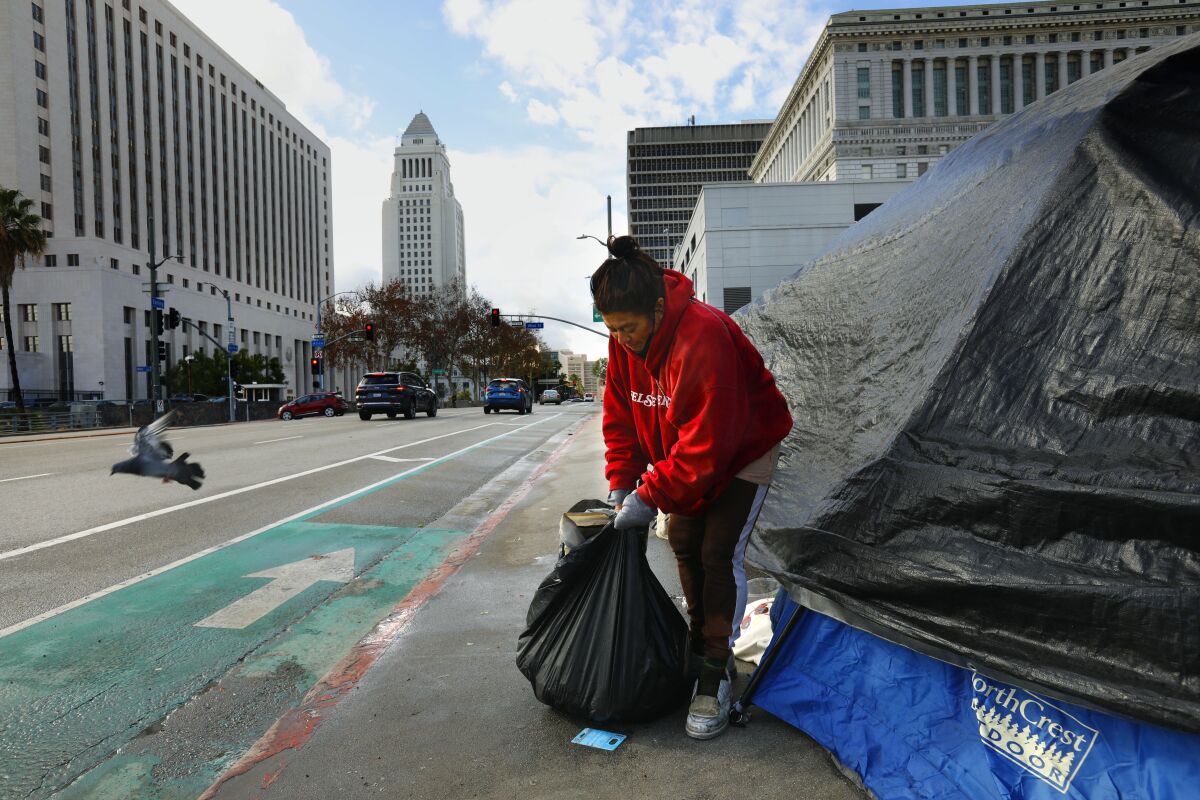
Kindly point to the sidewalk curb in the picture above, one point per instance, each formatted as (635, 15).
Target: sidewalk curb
(126, 431)
(297, 725)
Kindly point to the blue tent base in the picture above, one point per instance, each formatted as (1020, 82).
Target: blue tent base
(914, 727)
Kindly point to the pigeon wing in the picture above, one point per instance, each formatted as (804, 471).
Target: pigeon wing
(150, 439)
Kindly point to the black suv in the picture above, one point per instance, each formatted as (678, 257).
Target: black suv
(394, 393)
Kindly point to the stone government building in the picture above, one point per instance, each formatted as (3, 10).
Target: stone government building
(885, 93)
(138, 138)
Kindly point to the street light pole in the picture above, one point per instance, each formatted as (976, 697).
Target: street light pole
(321, 377)
(155, 315)
(228, 351)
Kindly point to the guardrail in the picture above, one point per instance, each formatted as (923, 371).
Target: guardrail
(48, 422)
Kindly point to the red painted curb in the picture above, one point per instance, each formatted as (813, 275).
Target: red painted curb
(296, 726)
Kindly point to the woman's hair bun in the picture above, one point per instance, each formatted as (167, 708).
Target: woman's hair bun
(623, 246)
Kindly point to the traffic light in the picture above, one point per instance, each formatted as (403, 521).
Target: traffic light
(369, 331)
(173, 319)
(233, 368)
(495, 318)
(158, 322)
(316, 365)
(162, 351)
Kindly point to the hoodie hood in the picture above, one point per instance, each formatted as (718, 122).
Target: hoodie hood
(679, 294)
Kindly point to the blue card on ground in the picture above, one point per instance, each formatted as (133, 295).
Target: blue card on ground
(601, 740)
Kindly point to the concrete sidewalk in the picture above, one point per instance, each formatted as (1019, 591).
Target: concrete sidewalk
(444, 713)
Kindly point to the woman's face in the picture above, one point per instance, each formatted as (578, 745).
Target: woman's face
(631, 328)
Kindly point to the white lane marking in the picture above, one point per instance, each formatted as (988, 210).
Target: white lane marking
(54, 612)
(399, 460)
(284, 439)
(288, 581)
(202, 500)
(27, 477)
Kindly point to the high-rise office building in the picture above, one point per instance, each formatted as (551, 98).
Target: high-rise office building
(666, 167)
(139, 139)
(424, 244)
(886, 93)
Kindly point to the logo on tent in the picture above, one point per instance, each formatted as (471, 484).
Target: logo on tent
(1031, 732)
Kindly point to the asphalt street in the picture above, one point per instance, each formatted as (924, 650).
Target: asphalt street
(125, 600)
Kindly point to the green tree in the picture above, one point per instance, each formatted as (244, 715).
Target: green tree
(207, 375)
(600, 369)
(21, 235)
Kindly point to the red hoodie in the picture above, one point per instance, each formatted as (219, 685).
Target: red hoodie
(700, 406)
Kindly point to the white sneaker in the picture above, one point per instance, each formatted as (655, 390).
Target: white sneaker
(708, 717)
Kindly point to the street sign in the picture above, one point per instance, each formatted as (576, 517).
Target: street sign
(233, 348)
(438, 371)
(596, 315)
(529, 326)
(158, 302)
(317, 343)
(318, 353)
(141, 368)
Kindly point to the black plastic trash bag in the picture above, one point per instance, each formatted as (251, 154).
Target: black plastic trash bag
(603, 640)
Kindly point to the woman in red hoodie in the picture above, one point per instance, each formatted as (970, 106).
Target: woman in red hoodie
(692, 413)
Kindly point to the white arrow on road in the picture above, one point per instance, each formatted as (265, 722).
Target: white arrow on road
(289, 581)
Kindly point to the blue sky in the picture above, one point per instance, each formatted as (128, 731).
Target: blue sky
(533, 99)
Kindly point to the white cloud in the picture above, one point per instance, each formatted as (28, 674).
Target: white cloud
(605, 69)
(523, 210)
(507, 90)
(541, 113)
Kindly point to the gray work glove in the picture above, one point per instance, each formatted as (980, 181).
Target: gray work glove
(634, 513)
(617, 497)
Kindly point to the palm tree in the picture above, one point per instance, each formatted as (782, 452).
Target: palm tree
(21, 235)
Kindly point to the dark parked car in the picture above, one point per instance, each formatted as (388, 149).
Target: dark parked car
(511, 393)
(329, 404)
(394, 393)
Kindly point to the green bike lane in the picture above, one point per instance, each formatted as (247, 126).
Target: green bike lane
(227, 639)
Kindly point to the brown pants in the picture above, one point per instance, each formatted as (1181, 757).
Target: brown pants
(710, 549)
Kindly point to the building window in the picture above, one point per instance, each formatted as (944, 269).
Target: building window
(984, 80)
(1143, 33)
(864, 83)
(922, 168)
(1053, 38)
(44, 155)
(37, 13)
(985, 41)
(736, 297)
(862, 47)
(43, 126)
(922, 149)
(1075, 37)
(1006, 87)
(1007, 41)
(28, 312)
(1098, 36)
(50, 260)
(962, 42)
(1180, 30)
(72, 259)
(864, 112)
(1029, 38)
(39, 42)
(866, 172)
(62, 311)
(901, 171)
(42, 100)
(901, 150)
(918, 92)
(1051, 75)
(129, 315)
(939, 90)
(47, 211)
(45, 183)
(961, 90)
(31, 344)
(39, 69)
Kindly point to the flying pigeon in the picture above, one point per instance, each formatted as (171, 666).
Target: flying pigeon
(151, 453)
